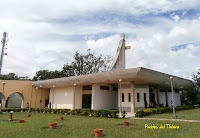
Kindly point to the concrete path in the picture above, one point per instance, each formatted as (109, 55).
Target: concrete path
(181, 120)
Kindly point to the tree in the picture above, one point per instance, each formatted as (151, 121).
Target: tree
(10, 76)
(192, 97)
(46, 74)
(87, 64)
(83, 64)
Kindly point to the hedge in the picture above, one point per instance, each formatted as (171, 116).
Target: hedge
(82, 112)
(149, 111)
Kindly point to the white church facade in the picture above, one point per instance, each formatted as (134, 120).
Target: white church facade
(118, 88)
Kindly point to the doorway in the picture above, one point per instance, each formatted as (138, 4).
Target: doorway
(86, 102)
(152, 97)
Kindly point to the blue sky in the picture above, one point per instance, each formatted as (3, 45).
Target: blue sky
(164, 34)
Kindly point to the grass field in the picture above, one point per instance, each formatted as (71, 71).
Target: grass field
(82, 126)
(192, 114)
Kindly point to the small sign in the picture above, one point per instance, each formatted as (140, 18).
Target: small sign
(66, 94)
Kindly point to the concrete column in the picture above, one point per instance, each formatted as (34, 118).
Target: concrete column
(158, 96)
(166, 97)
(132, 90)
(93, 96)
(3, 104)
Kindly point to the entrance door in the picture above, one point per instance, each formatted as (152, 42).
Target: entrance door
(152, 97)
(86, 102)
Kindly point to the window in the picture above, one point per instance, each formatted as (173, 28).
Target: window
(162, 90)
(122, 97)
(138, 97)
(115, 89)
(87, 87)
(145, 97)
(150, 90)
(104, 87)
(129, 97)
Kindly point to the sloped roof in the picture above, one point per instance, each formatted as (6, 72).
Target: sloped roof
(139, 75)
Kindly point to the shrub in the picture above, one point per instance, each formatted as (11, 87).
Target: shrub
(86, 112)
(123, 113)
(67, 111)
(96, 113)
(54, 111)
(146, 112)
(77, 111)
(72, 112)
(114, 113)
(104, 113)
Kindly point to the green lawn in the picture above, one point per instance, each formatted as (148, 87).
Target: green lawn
(192, 114)
(80, 126)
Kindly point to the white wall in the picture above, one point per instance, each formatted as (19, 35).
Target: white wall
(103, 99)
(141, 91)
(162, 98)
(177, 99)
(126, 103)
(63, 97)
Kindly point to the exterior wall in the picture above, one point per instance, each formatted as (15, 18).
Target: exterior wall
(126, 105)
(63, 97)
(177, 99)
(162, 98)
(103, 99)
(13, 86)
(141, 89)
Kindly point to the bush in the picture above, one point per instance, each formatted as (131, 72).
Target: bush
(114, 113)
(86, 112)
(104, 113)
(96, 113)
(77, 111)
(83, 112)
(123, 113)
(146, 112)
(54, 111)
(72, 112)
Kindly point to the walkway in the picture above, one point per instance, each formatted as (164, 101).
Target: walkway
(181, 120)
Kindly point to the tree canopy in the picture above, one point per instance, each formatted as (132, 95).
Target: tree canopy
(192, 96)
(10, 76)
(83, 64)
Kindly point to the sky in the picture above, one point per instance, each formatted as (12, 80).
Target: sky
(164, 34)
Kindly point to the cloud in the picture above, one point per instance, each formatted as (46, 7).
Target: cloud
(46, 34)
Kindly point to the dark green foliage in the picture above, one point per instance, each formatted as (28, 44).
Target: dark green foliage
(83, 112)
(72, 112)
(114, 113)
(192, 96)
(123, 113)
(10, 76)
(82, 64)
(96, 113)
(146, 112)
(104, 113)
(77, 111)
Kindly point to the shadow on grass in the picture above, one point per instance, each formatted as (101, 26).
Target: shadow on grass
(47, 127)
(122, 125)
(93, 135)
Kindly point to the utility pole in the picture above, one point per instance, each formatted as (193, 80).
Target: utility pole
(3, 41)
